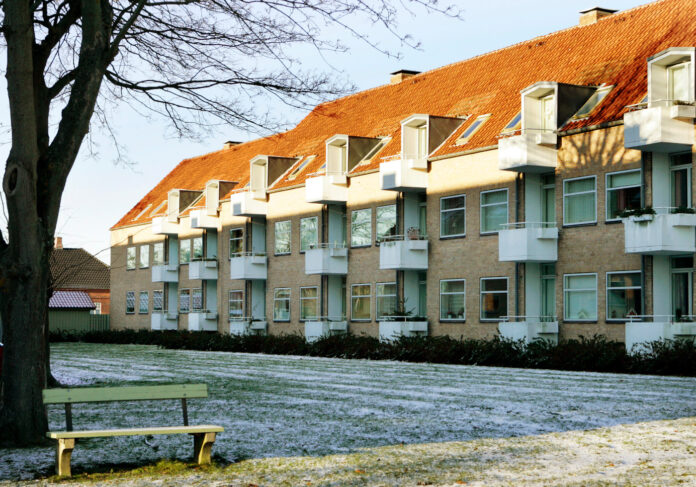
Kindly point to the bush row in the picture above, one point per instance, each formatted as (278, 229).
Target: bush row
(595, 354)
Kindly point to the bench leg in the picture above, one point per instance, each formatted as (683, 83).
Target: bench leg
(63, 452)
(202, 444)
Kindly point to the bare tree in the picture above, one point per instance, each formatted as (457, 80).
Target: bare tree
(195, 62)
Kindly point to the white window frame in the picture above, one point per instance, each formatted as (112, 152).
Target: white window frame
(289, 301)
(379, 316)
(383, 220)
(193, 301)
(606, 285)
(97, 309)
(155, 260)
(316, 304)
(130, 294)
(239, 300)
(454, 235)
(146, 249)
(678, 167)
(140, 302)
(487, 205)
(275, 238)
(607, 189)
(369, 239)
(310, 245)
(193, 248)
(235, 239)
(185, 242)
(565, 297)
(360, 296)
(452, 294)
(481, 294)
(134, 265)
(186, 292)
(154, 306)
(563, 187)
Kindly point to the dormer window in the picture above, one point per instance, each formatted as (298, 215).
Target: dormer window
(422, 141)
(421, 134)
(548, 105)
(678, 82)
(472, 129)
(671, 77)
(547, 113)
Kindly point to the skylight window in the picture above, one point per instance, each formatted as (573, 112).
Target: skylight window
(378, 147)
(592, 102)
(515, 124)
(300, 167)
(473, 128)
(143, 212)
(157, 210)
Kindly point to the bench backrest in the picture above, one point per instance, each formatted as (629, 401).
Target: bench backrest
(130, 393)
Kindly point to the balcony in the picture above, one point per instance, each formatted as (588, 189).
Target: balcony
(202, 320)
(664, 128)
(247, 326)
(201, 219)
(168, 272)
(245, 203)
(323, 327)
(644, 329)
(327, 259)
(529, 328)
(403, 253)
(162, 226)
(664, 233)
(327, 188)
(204, 269)
(404, 173)
(528, 242)
(390, 330)
(163, 320)
(249, 266)
(532, 151)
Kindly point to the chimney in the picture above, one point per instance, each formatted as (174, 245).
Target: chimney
(400, 75)
(58, 244)
(592, 15)
(230, 143)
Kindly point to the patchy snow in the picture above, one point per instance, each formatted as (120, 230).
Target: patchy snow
(279, 406)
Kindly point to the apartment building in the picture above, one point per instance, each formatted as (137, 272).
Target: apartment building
(543, 190)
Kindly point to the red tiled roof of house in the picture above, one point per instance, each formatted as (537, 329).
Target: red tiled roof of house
(612, 51)
(70, 300)
(77, 269)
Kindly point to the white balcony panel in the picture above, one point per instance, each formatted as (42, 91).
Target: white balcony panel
(326, 189)
(248, 327)
(206, 270)
(404, 174)
(528, 152)
(528, 244)
(660, 129)
(162, 226)
(327, 260)
(202, 321)
(244, 204)
(640, 333)
(163, 321)
(393, 330)
(662, 234)
(528, 331)
(314, 330)
(404, 255)
(201, 219)
(249, 267)
(165, 273)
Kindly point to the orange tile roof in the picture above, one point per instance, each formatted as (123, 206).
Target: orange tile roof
(612, 51)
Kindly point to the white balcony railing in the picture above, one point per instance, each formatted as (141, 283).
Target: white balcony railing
(247, 325)
(203, 320)
(661, 126)
(327, 188)
(168, 272)
(163, 320)
(245, 203)
(203, 269)
(664, 233)
(530, 150)
(201, 219)
(393, 330)
(529, 328)
(528, 242)
(404, 173)
(249, 266)
(325, 326)
(399, 252)
(162, 226)
(643, 329)
(327, 259)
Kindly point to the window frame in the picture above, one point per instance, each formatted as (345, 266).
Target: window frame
(289, 304)
(230, 301)
(457, 235)
(607, 189)
(563, 188)
(607, 288)
(182, 292)
(154, 301)
(440, 294)
(275, 237)
(194, 309)
(181, 253)
(146, 248)
(481, 294)
(369, 223)
(360, 296)
(471, 130)
(155, 260)
(487, 205)
(193, 248)
(377, 220)
(565, 297)
(235, 239)
(140, 302)
(134, 265)
(130, 294)
(316, 304)
(311, 245)
(379, 296)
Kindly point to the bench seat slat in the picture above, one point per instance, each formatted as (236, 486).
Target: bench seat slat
(131, 393)
(167, 430)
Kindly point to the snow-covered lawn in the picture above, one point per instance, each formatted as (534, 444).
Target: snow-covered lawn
(278, 406)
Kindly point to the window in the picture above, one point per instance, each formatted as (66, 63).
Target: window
(159, 207)
(378, 147)
(281, 304)
(422, 147)
(547, 113)
(453, 216)
(236, 241)
(158, 253)
(514, 125)
(282, 237)
(309, 233)
(309, 303)
(385, 298)
(130, 258)
(494, 210)
(299, 168)
(580, 297)
(494, 298)
(548, 198)
(592, 102)
(197, 244)
(360, 305)
(143, 303)
(184, 300)
(579, 200)
(144, 256)
(197, 299)
(452, 299)
(473, 128)
(184, 251)
(236, 305)
(680, 184)
(361, 228)
(682, 268)
(624, 295)
(386, 221)
(678, 82)
(97, 309)
(623, 192)
(157, 301)
(130, 302)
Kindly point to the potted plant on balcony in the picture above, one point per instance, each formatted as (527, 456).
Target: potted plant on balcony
(638, 214)
(413, 233)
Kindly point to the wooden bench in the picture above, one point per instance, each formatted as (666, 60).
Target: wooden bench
(203, 436)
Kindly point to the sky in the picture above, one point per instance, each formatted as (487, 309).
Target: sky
(102, 187)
